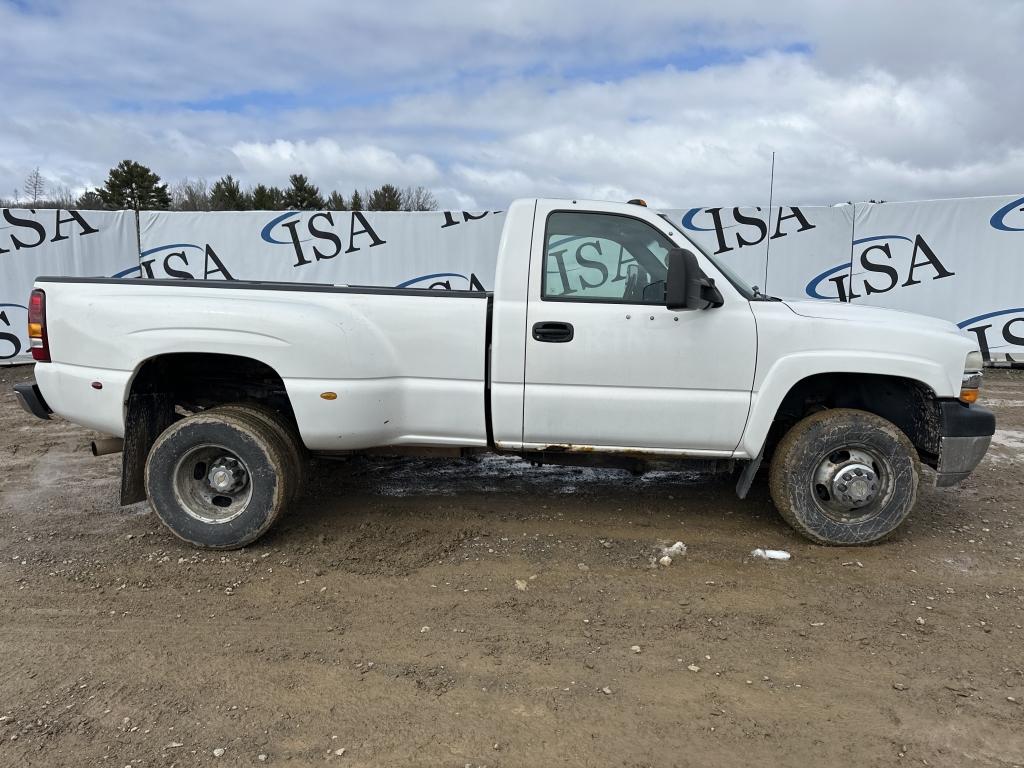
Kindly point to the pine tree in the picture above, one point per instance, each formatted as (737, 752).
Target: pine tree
(132, 185)
(227, 195)
(336, 202)
(89, 201)
(301, 195)
(264, 198)
(35, 187)
(386, 197)
(355, 203)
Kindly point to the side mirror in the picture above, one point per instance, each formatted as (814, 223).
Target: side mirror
(686, 285)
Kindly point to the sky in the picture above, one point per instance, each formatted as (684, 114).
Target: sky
(681, 103)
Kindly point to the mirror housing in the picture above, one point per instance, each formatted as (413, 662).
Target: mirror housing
(686, 285)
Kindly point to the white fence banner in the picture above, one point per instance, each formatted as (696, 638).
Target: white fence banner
(433, 249)
(56, 242)
(962, 260)
(777, 253)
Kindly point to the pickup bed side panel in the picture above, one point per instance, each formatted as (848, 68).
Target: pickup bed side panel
(407, 369)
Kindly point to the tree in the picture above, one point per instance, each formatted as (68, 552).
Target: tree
(190, 195)
(90, 201)
(227, 195)
(264, 198)
(419, 199)
(336, 202)
(386, 197)
(61, 198)
(35, 186)
(133, 185)
(355, 202)
(301, 195)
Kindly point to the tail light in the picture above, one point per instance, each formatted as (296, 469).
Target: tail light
(37, 339)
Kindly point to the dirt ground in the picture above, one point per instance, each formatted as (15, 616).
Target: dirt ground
(485, 614)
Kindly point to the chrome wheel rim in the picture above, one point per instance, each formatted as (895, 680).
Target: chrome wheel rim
(212, 484)
(851, 484)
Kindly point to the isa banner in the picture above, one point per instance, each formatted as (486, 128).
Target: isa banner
(452, 250)
(781, 251)
(961, 260)
(56, 242)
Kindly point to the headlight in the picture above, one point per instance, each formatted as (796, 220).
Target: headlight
(971, 384)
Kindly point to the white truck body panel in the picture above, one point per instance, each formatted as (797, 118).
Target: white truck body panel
(407, 369)
(801, 339)
(637, 375)
(508, 326)
(411, 368)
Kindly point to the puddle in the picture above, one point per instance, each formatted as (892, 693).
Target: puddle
(510, 474)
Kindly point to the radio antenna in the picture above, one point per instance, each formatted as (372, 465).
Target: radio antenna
(768, 220)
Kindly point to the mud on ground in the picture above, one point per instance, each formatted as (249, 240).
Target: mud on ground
(482, 613)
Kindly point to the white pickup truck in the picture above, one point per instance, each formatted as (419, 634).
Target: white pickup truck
(609, 337)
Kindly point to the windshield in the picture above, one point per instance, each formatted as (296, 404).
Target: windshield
(737, 282)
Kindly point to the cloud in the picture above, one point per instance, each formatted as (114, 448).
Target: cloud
(678, 103)
(337, 164)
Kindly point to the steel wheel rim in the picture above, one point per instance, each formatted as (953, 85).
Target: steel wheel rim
(212, 484)
(852, 483)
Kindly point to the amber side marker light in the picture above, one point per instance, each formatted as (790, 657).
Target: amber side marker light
(968, 396)
(329, 395)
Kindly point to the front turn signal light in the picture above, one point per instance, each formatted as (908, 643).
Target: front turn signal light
(970, 386)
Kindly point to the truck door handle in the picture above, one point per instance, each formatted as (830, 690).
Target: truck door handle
(558, 333)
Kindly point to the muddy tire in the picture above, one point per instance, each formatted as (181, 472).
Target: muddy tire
(287, 434)
(844, 477)
(219, 479)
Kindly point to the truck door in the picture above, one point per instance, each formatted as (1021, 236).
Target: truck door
(608, 366)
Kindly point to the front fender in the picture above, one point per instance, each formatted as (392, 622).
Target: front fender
(786, 372)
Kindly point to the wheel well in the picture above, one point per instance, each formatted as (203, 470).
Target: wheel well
(909, 404)
(168, 386)
(197, 380)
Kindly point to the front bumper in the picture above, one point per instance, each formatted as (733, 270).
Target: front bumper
(31, 400)
(966, 433)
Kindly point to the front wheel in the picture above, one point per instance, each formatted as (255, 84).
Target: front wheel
(220, 478)
(844, 477)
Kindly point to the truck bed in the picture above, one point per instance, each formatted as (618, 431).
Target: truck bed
(406, 366)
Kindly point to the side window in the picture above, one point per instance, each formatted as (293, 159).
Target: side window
(603, 257)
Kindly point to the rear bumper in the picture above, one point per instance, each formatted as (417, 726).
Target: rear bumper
(966, 433)
(31, 400)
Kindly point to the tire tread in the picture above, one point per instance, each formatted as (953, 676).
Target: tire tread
(787, 464)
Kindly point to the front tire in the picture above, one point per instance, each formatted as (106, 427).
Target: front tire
(844, 477)
(219, 479)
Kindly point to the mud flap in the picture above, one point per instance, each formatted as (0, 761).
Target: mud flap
(148, 415)
(746, 478)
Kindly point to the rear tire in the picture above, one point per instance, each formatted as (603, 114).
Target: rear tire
(844, 477)
(286, 433)
(220, 478)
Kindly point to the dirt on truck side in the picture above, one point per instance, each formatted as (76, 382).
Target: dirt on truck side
(486, 613)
